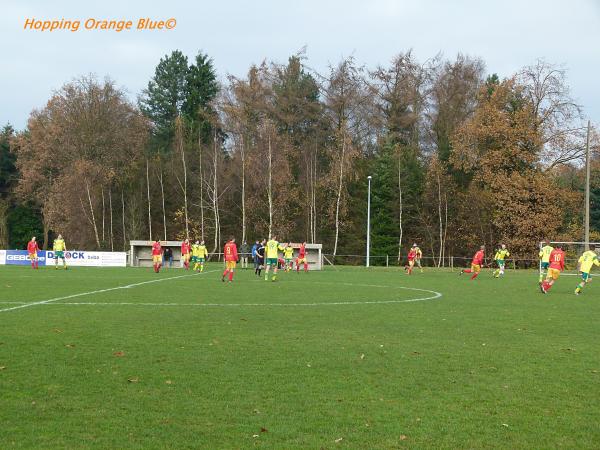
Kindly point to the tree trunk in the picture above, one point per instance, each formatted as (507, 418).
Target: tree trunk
(112, 244)
(215, 197)
(87, 186)
(440, 217)
(314, 197)
(339, 196)
(103, 215)
(201, 186)
(185, 201)
(445, 227)
(269, 188)
(3, 224)
(243, 191)
(149, 207)
(400, 230)
(162, 193)
(123, 217)
(308, 198)
(4, 206)
(46, 226)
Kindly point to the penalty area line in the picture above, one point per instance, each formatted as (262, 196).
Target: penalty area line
(100, 291)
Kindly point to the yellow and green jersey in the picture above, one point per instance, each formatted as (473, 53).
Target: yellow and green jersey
(501, 255)
(199, 251)
(418, 252)
(59, 245)
(587, 260)
(272, 248)
(288, 253)
(545, 253)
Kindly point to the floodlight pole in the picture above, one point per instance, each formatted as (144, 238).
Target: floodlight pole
(587, 190)
(369, 221)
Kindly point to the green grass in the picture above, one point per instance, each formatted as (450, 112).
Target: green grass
(491, 364)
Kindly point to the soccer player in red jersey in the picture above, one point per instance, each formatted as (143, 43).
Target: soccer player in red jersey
(156, 255)
(301, 259)
(185, 253)
(32, 249)
(412, 255)
(557, 265)
(476, 263)
(231, 258)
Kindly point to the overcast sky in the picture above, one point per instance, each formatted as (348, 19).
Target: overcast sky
(507, 35)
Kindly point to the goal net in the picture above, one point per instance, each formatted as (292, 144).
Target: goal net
(573, 250)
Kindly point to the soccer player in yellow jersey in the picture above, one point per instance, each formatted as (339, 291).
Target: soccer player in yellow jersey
(59, 248)
(501, 254)
(272, 254)
(199, 255)
(419, 255)
(288, 256)
(545, 258)
(586, 261)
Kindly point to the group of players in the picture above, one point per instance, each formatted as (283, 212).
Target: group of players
(266, 257)
(264, 253)
(552, 261)
(58, 247)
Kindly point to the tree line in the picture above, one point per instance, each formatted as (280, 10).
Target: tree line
(458, 157)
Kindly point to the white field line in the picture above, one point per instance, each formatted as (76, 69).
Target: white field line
(239, 305)
(100, 291)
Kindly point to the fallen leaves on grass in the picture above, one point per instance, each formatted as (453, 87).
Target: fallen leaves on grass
(362, 356)
(338, 440)
(2, 367)
(256, 411)
(415, 353)
(505, 425)
(56, 330)
(263, 430)
(70, 345)
(133, 379)
(255, 435)
(403, 437)
(168, 382)
(308, 365)
(119, 354)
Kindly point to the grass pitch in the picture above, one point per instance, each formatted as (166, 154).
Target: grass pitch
(191, 362)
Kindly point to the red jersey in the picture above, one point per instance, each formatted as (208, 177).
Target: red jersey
(478, 258)
(557, 259)
(156, 249)
(185, 248)
(302, 252)
(230, 251)
(32, 247)
(412, 255)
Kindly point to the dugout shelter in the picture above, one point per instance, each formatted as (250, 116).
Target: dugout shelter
(141, 254)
